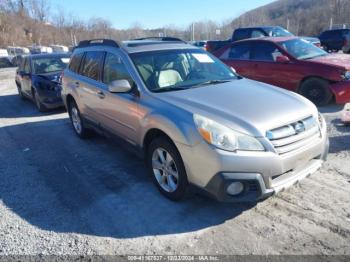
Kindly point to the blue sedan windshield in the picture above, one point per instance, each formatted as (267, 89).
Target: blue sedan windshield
(49, 64)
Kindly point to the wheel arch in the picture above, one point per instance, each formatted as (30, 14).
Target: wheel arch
(151, 135)
(69, 99)
(317, 77)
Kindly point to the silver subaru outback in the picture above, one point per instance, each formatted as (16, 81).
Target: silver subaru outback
(196, 122)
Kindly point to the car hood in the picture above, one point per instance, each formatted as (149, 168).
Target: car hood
(338, 60)
(244, 105)
(54, 77)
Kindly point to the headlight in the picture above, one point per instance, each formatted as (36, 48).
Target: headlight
(347, 75)
(320, 119)
(225, 138)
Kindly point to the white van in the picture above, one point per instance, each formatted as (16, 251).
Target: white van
(40, 50)
(59, 48)
(3, 53)
(17, 50)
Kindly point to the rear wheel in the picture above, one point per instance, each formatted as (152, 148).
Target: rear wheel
(167, 169)
(316, 90)
(20, 93)
(77, 121)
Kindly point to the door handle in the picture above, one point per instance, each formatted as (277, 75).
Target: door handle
(100, 94)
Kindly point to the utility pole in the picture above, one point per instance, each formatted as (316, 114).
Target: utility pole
(288, 24)
(331, 23)
(193, 31)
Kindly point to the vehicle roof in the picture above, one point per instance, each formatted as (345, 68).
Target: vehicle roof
(270, 39)
(136, 46)
(339, 29)
(262, 27)
(36, 56)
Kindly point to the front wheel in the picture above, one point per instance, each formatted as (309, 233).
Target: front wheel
(41, 107)
(316, 90)
(167, 169)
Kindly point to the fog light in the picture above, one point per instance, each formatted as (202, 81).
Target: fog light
(235, 188)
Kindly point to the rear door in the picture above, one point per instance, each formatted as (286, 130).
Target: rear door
(89, 85)
(25, 77)
(238, 56)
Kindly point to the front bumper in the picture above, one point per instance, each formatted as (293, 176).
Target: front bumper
(341, 91)
(262, 173)
(51, 98)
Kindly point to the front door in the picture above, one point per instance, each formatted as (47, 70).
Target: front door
(119, 113)
(26, 79)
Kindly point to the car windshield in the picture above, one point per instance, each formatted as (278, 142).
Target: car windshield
(49, 64)
(279, 32)
(172, 70)
(302, 49)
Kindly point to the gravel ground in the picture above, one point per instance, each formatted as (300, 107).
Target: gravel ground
(63, 195)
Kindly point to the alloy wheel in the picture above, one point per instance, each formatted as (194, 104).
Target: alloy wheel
(76, 120)
(165, 170)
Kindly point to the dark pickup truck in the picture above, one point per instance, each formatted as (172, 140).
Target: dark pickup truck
(254, 32)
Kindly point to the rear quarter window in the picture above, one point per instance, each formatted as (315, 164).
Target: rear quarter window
(75, 62)
(237, 52)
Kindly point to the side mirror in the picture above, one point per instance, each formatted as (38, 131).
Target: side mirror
(119, 86)
(282, 59)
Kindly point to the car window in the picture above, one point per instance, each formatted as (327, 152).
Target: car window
(92, 64)
(26, 67)
(75, 62)
(114, 69)
(169, 70)
(302, 49)
(279, 32)
(237, 52)
(45, 65)
(257, 33)
(241, 34)
(264, 51)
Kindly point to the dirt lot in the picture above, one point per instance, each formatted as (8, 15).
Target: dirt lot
(63, 195)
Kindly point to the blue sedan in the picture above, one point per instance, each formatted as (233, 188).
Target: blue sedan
(38, 79)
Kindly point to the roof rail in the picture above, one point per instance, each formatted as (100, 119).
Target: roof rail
(97, 42)
(165, 38)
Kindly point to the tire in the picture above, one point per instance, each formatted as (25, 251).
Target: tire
(20, 93)
(317, 91)
(167, 169)
(41, 107)
(77, 121)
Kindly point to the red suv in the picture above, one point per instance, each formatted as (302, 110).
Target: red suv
(294, 64)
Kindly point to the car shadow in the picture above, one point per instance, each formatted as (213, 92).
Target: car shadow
(339, 143)
(332, 108)
(24, 108)
(58, 182)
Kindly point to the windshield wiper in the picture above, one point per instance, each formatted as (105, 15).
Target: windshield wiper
(308, 58)
(167, 89)
(211, 82)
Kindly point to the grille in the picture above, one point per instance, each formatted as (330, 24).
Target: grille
(294, 136)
